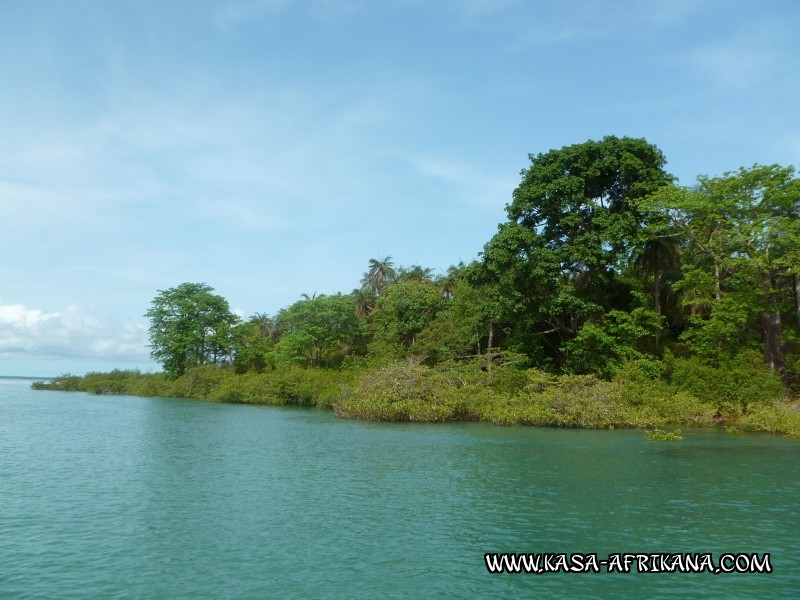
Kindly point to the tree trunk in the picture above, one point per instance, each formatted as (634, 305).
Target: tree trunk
(657, 291)
(796, 282)
(657, 303)
(489, 347)
(771, 329)
(773, 342)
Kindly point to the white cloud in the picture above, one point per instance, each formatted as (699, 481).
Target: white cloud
(73, 332)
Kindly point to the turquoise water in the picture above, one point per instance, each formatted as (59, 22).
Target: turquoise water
(121, 497)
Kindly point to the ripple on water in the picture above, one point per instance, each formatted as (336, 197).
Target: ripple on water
(129, 497)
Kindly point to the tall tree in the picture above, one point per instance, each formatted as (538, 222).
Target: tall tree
(319, 330)
(582, 199)
(190, 326)
(267, 325)
(254, 342)
(657, 256)
(403, 311)
(448, 281)
(380, 273)
(414, 273)
(573, 222)
(365, 300)
(745, 233)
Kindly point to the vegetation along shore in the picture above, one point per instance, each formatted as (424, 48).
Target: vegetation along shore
(610, 297)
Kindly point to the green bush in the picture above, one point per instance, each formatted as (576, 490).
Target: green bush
(472, 390)
(407, 391)
(663, 436)
(62, 383)
(678, 407)
(733, 387)
(775, 418)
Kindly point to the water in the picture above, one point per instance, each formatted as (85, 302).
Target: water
(121, 497)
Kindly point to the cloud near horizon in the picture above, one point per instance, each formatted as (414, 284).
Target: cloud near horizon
(72, 333)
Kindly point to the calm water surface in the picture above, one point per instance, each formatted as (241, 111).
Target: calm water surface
(121, 497)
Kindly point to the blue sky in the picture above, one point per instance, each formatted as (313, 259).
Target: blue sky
(270, 148)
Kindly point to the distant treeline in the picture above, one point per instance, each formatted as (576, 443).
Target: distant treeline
(610, 297)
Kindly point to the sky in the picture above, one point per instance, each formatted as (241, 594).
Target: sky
(270, 148)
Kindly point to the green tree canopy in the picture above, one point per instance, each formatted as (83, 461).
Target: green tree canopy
(573, 225)
(380, 273)
(402, 312)
(739, 277)
(190, 326)
(319, 330)
(254, 341)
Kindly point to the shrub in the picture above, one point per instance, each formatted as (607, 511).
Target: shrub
(733, 387)
(664, 436)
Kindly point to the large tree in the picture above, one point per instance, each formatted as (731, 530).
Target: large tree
(739, 278)
(190, 326)
(319, 330)
(402, 312)
(573, 226)
(581, 200)
(381, 272)
(254, 341)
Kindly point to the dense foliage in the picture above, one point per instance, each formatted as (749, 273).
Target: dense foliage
(609, 297)
(190, 326)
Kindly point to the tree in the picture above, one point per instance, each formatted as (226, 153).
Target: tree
(414, 273)
(267, 325)
(253, 343)
(573, 225)
(657, 256)
(403, 311)
(744, 233)
(448, 281)
(190, 326)
(365, 300)
(581, 199)
(381, 272)
(319, 330)
(464, 327)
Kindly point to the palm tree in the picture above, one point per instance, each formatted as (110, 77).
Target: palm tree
(365, 301)
(447, 282)
(658, 256)
(268, 326)
(415, 273)
(381, 272)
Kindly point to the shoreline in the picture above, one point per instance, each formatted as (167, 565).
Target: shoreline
(403, 391)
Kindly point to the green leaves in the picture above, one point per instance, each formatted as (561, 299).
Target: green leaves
(603, 263)
(403, 311)
(559, 262)
(603, 347)
(190, 326)
(742, 259)
(318, 330)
